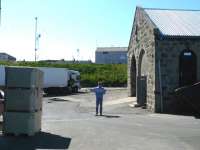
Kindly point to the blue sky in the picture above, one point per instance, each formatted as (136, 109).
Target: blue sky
(68, 25)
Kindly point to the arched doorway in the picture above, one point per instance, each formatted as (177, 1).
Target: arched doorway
(187, 68)
(141, 79)
(133, 76)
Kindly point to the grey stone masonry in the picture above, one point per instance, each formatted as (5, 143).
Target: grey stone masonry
(154, 69)
(168, 51)
(142, 39)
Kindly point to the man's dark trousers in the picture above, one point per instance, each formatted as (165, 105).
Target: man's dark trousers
(99, 103)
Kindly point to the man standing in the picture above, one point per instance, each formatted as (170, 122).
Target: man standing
(99, 92)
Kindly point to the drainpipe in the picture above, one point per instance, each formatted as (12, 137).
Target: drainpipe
(160, 86)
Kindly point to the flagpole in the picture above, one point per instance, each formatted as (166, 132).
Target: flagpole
(35, 37)
(0, 12)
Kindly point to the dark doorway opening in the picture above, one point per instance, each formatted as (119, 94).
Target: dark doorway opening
(142, 80)
(133, 76)
(142, 90)
(188, 68)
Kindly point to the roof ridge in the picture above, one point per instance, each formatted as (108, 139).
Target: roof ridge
(171, 9)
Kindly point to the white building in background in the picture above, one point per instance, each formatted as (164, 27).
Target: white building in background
(111, 55)
(6, 57)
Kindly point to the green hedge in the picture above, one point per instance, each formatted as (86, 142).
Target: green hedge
(111, 75)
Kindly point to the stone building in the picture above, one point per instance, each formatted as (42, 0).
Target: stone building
(163, 54)
(111, 55)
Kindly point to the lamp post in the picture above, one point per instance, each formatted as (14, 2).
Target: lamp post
(0, 12)
(37, 36)
(78, 50)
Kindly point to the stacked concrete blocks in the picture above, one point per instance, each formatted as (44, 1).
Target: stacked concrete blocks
(23, 101)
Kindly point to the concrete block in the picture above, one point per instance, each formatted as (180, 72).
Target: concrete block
(23, 99)
(23, 77)
(18, 123)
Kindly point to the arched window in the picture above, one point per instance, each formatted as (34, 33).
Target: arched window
(187, 68)
(133, 76)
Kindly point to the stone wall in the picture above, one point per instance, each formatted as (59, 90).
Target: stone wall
(143, 38)
(168, 51)
(160, 62)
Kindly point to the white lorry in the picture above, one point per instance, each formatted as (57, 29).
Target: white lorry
(56, 80)
(60, 80)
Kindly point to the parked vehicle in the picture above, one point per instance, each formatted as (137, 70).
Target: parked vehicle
(75, 76)
(60, 80)
(56, 80)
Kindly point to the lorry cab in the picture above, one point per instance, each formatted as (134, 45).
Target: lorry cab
(75, 78)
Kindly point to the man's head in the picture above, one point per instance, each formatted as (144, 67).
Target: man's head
(100, 84)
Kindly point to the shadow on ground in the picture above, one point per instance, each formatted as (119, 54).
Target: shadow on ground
(67, 94)
(41, 140)
(57, 100)
(111, 116)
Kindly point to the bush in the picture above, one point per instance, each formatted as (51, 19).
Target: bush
(111, 75)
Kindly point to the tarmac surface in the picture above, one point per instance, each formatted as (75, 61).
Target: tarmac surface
(69, 122)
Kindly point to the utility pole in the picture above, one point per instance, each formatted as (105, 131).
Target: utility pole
(78, 50)
(0, 12)
(37, 36)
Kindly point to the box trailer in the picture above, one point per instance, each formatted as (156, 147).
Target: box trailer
(56, 80)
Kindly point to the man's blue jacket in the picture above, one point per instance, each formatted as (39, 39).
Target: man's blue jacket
(99, 92)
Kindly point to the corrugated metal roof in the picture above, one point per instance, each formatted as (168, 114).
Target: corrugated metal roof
(176, 22)
(111, 49)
